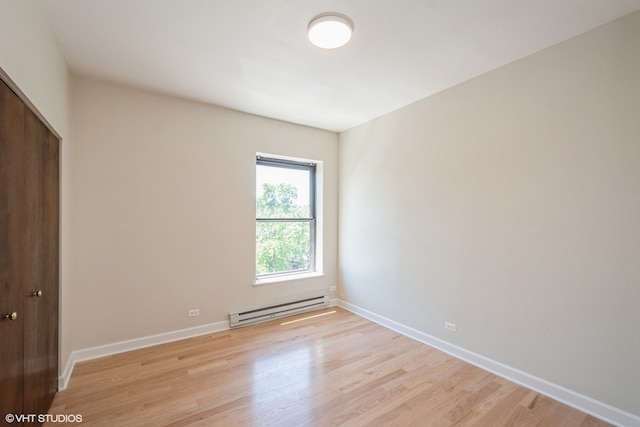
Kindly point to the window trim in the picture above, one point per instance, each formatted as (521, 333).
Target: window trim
(312, 219)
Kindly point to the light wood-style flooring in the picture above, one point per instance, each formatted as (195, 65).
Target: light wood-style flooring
(325, 368)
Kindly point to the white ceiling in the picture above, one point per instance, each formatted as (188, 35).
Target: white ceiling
(253, 55)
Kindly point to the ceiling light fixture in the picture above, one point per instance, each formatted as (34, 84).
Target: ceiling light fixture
(330, 30)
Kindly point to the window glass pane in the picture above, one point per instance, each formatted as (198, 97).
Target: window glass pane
(282, 192)
(282, 246)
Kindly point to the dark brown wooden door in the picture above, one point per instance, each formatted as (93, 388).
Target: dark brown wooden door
(41, 266)
(51, 283)
(11, 250)
(29, 259)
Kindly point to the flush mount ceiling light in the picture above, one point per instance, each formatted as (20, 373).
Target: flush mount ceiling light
(330, 30)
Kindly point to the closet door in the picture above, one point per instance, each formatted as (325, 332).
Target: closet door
(51, 264)
(40, 285)
(29, 255)
(12, 214)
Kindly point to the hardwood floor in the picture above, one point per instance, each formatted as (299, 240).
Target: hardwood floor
(324, 368)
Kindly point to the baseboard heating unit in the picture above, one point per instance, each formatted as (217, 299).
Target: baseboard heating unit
(276, 311)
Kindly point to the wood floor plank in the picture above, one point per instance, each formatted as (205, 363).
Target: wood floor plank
(335, 369)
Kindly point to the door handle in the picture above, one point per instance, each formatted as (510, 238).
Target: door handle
(11, 316)
(37, 294)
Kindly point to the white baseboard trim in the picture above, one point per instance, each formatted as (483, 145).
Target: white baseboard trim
(571, 398)
(135, 344)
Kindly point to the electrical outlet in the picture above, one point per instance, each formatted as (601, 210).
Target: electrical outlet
(450, 326)
(332, 289)
(195, 312)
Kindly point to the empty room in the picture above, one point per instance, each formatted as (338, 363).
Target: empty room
(316, 213)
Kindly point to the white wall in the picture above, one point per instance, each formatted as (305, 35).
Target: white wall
(510, 205)
(30, 56)
(165, 211)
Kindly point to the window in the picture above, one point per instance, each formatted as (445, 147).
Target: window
(285, 217)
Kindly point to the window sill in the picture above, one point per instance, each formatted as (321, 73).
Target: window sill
(286, 278)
